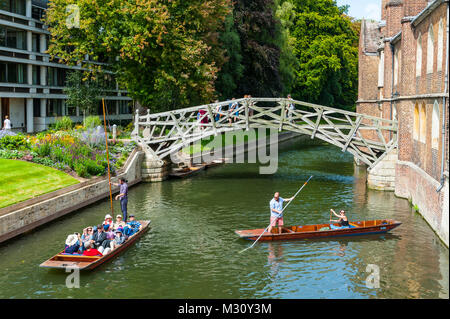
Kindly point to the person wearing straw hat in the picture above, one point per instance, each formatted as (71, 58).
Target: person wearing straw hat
(276, 208)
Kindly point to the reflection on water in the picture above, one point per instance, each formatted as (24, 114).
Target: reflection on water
(192, 251)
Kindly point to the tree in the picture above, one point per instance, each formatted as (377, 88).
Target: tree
(232, 70)
(82, 92)
(326, 48)
(164, 53)
(258, 31)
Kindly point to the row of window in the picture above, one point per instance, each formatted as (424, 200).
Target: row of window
(430, 49)
(419, 55)
(55, 107)
(420, 124)
(19, 7)
(17, 39)
(17, 73)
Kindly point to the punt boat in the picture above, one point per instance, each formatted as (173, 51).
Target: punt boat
(188, 171)
(75, 261)
(320, 230)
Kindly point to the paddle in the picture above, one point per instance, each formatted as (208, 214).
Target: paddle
(107, 158)
(281, 214)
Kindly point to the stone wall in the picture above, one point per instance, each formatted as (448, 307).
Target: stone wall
(25, 216)
(382, 176)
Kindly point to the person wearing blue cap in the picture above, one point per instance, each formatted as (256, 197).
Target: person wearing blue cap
(132, 227)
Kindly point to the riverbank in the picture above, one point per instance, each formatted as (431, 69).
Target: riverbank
(25, 216)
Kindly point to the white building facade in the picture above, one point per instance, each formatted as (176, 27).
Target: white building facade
(31, 86)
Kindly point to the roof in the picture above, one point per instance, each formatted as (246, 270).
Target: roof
(425, 12)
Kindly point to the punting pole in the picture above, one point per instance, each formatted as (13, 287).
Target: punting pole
(280, 214)
(107, 158)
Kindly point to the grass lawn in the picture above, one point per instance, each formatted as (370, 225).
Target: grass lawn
(20, 180)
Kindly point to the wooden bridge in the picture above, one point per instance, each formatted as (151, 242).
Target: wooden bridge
(366, 137)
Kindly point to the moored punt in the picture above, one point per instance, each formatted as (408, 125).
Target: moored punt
(216, 162)
(320, 230)
(188, 171)
(63, 261)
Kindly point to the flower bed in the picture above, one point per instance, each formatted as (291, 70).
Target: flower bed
(80, 151)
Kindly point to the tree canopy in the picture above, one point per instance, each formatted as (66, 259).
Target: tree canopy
(174, 53)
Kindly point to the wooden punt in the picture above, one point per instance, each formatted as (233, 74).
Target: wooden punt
(60, 261)
(216, 162)
(313, 231)
(188, 171)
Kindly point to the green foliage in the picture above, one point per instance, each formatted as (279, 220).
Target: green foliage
(164, 53)
(64, 123)
(82, 91)
(232, 70)
(10, 154)
(92, 122)
(326, 48)
(14, 142)
(259, 32)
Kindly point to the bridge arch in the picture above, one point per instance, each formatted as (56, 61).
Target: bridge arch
(366, 137)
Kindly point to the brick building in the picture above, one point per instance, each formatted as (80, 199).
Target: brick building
(403, 75)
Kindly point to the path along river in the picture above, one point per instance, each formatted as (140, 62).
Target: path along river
(192, 251)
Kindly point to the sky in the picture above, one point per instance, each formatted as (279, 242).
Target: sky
(368, 9)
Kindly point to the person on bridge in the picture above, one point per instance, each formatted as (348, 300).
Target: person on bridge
(291, 108)
(123, 196)
(276, 208)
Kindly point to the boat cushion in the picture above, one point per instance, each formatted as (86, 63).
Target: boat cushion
(74, 254)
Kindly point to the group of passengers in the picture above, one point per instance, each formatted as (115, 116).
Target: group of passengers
(102, 239)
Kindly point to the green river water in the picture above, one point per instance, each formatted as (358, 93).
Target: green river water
(191, 250)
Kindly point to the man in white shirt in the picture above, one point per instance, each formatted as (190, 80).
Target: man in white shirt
(276, 209)
(7, 123)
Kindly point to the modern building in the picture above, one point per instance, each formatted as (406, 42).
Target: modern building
(403, 75)
(31, 86)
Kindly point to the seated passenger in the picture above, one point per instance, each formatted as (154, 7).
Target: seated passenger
(132, 227)
(91, 251)
(119, 223)
(72, 243)
(86, 238)
(107, 242)
(108, 223)
(343, 220)
(118, 240)
(99, 237)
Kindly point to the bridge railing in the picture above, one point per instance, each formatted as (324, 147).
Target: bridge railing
(367, 137)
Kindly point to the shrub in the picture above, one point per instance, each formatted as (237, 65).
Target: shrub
(81, 170)
(92, 122)
(14, 142)
(43, 161)
(4, 133)
(11, 154)
(94, 137)
(64, 123)
(42, 149)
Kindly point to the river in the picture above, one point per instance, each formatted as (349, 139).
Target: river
(192, 251)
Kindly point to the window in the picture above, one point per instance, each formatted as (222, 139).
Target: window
(36, 107)
(381, 70)
(14, 6)
(13, 38)
(435, 126)
(125, 107)
(54, 107)
(430, 49)
(396, 65)
(423, 124)
(419, 55)
(36, 42)
(440, 46)
(3, 75)
(36, 74)
(14, 73)
(416, 122)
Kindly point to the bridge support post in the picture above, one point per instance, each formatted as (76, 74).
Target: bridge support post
(154, 170)
(382, 176)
